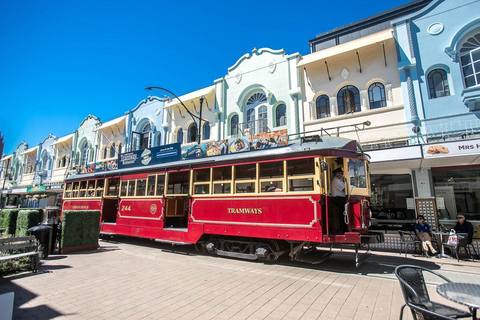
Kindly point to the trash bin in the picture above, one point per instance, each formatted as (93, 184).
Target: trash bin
(44, 237)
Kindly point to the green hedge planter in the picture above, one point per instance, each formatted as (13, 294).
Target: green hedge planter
(80, 230)
(8, 220)
(25, 220)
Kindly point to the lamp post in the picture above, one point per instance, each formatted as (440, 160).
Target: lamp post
(199, 125)
(6, 173)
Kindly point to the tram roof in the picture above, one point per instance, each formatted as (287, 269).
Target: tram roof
(294, 147)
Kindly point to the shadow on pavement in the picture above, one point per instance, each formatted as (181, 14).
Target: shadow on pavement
(23, 296)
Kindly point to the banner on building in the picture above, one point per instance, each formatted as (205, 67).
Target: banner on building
(106, 165)
(445, 149)
(150, 156)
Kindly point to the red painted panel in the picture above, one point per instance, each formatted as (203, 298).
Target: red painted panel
(82, 204)
(299, 211)
(141, 212)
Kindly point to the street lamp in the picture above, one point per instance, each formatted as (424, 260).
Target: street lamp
(199, 125)
(6, 173)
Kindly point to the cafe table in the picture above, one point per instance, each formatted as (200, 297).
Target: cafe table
(440, 237)
(467, 294)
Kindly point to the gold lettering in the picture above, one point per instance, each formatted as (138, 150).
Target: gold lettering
(245, 210)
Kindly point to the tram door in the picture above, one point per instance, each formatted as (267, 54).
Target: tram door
(176, 200)
(109, 210)
(336, 200)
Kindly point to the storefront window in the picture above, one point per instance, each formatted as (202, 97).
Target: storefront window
(457, 191)
(392, 202)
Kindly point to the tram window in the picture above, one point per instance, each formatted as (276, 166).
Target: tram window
(76, 186)
(271, 169)
(83, 189)
(246, 172)
(299, 167)
(202, 189)
(245, 187)
(99, 190)
(112, 186)
(178, 182)
(271, 186)
(160, 184)
(141, 187)
(68, 187)
(123, 189)
(131, 188)
(305, 184)
(356, 173)
(151, 186)
(91, 188)
(222, 173)
(219, 188)
(202, 175)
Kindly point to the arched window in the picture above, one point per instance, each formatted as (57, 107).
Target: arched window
(206, 131)
(323, 107)
(159, 139)
(234, 125)
(145, 140)
(85, 155)
(256, 111)
(119, 148)
(281, 115)
(45, 161)
(470, 60)
(438, 83)
(105, 153)
(192, 132)
(112, 150)
(376, 95)
(64, 162)
(180, 135)
(348, 100)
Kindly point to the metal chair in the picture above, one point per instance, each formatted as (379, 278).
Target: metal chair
(407, 238)
(462, 242)
(416, 295)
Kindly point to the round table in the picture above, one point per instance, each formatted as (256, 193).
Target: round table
(467, 294)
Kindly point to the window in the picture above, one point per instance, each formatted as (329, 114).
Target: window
(112, 150)
(206, 131)
(234, 125)
(192, 132)
(178, 182)
(245, 178)
(438, 83)
(99, 189)
(470, 61)
(222, 180)
(151, 185)
(105, 152)
(281, 115)
(119, 148)
(159, 139)
(256, 111)
(112, 187)
(201, 181)
(180, 135)
(141, 187)
(145, 137)
(85, 154)
(160, 185)
(301, 174)
(348, 100)
(323, 107)
(271, 176)
(376, 95)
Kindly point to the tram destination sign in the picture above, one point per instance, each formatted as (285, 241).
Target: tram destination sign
(150, 156)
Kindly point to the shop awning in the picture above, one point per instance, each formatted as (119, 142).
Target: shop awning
(346, 47)
(190, 96)
(63, 139)
(115, 122)
(7, 157)
(31, 150)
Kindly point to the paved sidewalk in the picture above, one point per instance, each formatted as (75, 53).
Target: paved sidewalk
(140, 279)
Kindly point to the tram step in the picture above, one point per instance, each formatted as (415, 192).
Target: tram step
(314, 257)
(239, 255)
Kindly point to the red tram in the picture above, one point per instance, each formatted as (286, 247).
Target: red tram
(252, 205)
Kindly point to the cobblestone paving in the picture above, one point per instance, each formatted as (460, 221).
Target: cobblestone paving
(138, 279)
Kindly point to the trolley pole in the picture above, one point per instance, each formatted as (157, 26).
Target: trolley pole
(200, 122)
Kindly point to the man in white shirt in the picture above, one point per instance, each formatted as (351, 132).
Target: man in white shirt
(337, 225)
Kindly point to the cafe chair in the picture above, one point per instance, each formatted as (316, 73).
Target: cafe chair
(407, 238)
(462, 242)
(417, 299)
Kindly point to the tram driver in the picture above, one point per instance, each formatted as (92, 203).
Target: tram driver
(337, 225)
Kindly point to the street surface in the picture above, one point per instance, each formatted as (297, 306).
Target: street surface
(130, 278)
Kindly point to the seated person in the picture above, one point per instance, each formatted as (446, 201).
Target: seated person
(422, 229)
(272, 187)
(464, 226)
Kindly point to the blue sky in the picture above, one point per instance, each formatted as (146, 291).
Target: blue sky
(62, 60)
